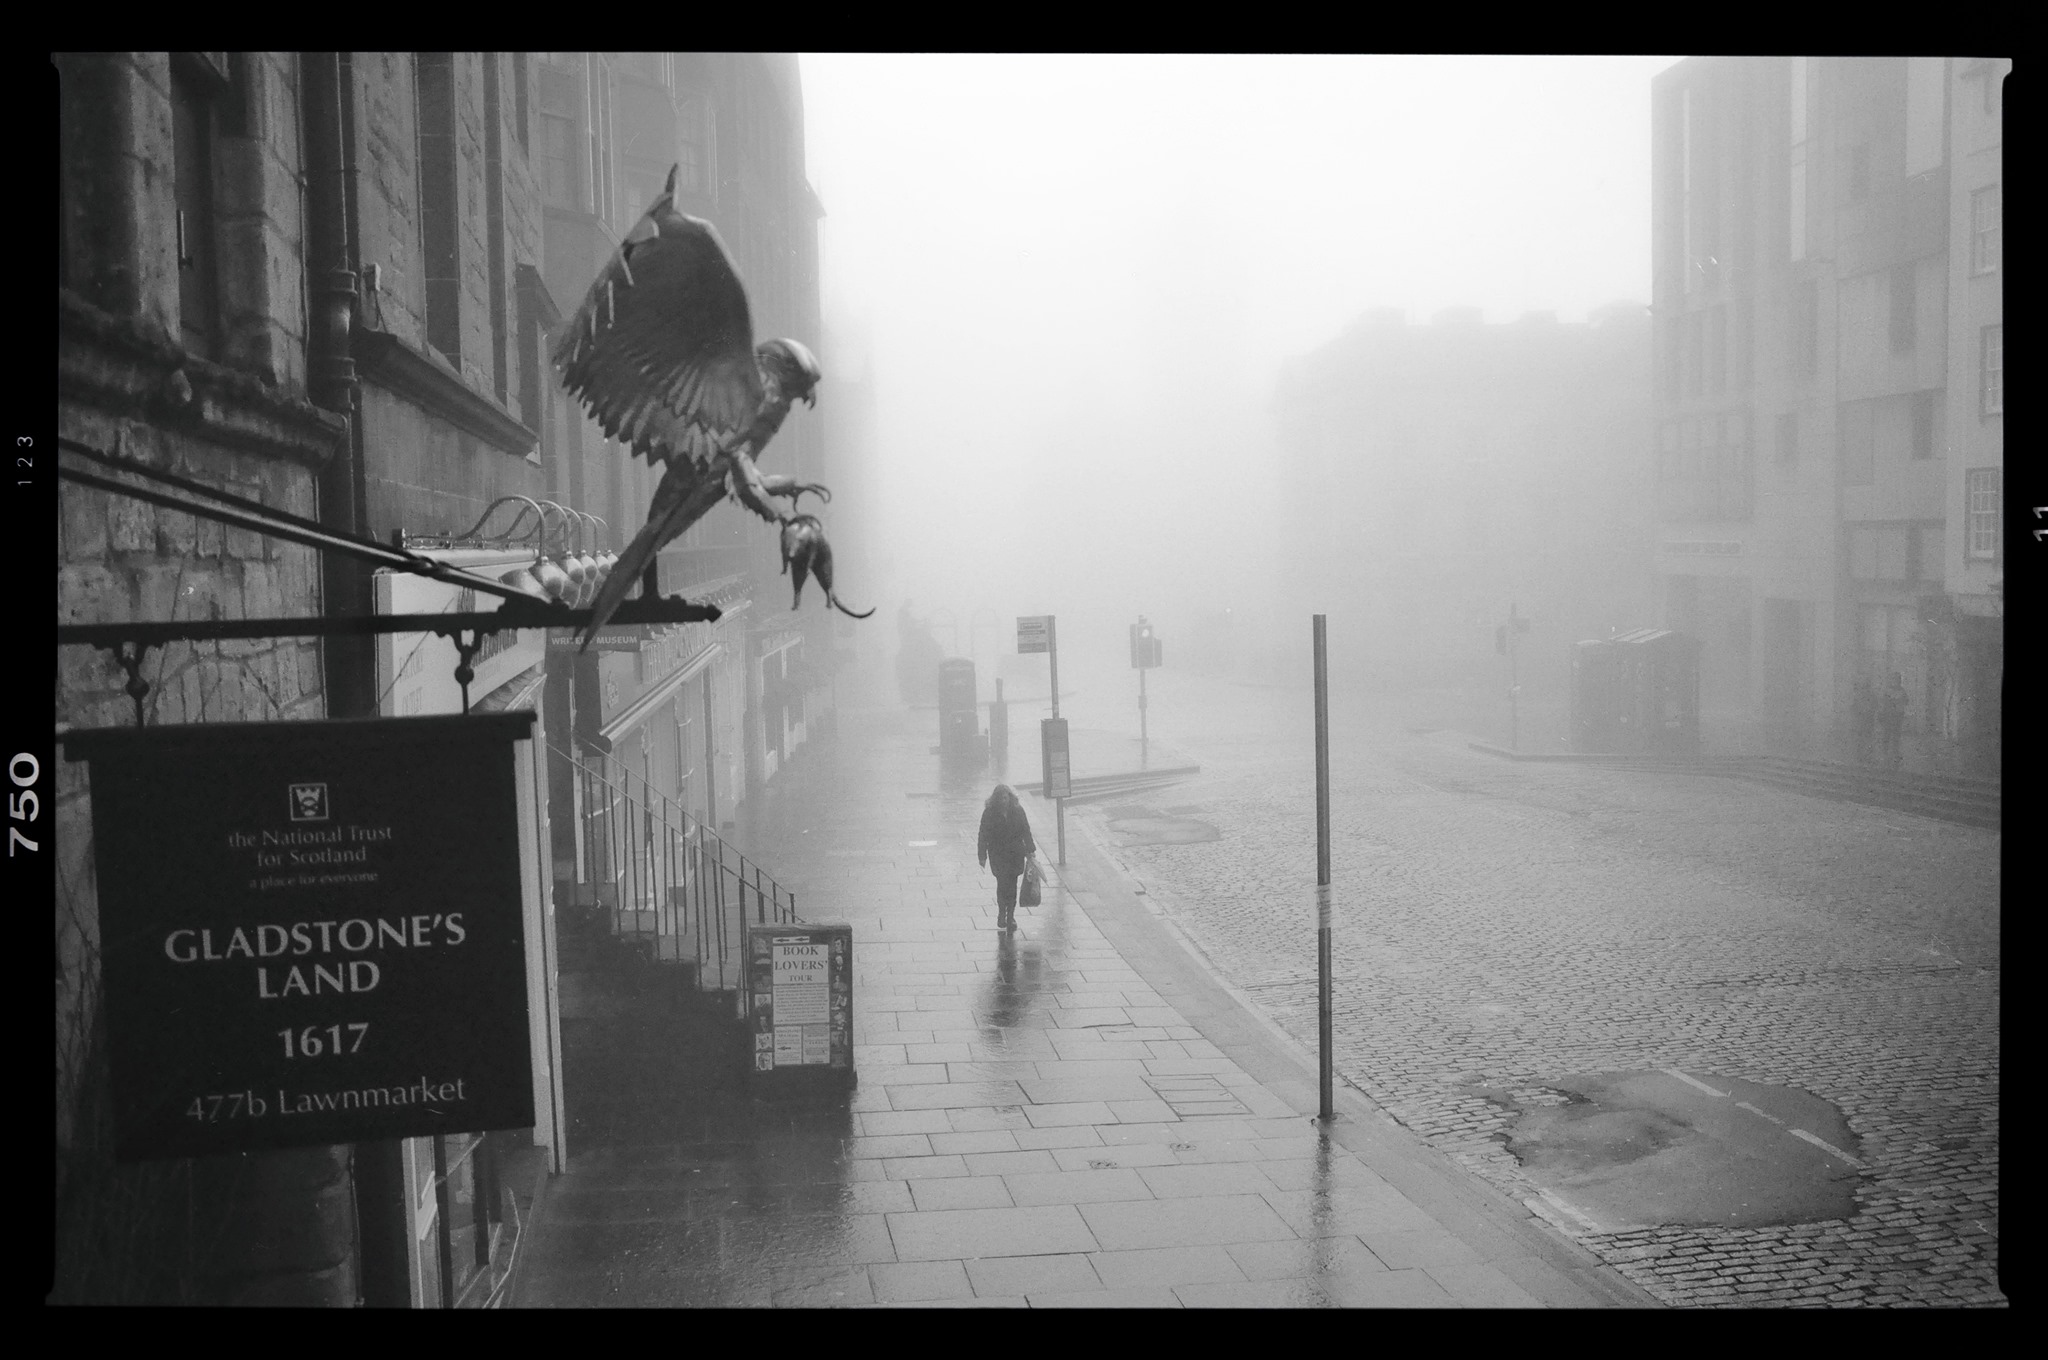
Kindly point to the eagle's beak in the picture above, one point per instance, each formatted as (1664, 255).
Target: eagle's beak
(811, 397)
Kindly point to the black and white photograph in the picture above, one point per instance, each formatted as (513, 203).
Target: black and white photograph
(866, 679)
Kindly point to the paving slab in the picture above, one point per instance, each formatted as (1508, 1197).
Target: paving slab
(1074, 1114)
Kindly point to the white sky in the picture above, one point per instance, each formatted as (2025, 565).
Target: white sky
(1075, 279)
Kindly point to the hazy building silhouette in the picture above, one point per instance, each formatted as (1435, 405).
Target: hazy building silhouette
(1829, 389)
(1443, 473)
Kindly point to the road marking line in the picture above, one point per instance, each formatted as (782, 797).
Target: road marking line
(1569, 1211)
(1674, 1072)
(1824, 1146)
(1745, 1105)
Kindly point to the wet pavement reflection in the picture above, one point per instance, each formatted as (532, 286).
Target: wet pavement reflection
(1033, 1123)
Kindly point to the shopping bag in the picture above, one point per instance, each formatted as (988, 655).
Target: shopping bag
(1027, 892)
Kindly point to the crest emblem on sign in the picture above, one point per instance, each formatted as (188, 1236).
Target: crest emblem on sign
(309, 802)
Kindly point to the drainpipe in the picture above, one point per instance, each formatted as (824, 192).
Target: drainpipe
(327, 93)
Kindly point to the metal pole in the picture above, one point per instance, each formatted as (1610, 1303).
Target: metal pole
(1514, 682)
(1052, 651)
(1144, 732)
(1326, 1077)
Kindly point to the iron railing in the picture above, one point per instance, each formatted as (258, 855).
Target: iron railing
(665, 881)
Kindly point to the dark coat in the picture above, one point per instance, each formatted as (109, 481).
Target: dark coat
(1005, 840)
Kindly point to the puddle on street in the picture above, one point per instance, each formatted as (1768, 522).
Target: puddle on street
(1637, 1149)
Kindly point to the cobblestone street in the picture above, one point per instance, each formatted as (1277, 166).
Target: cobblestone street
(1502, 925)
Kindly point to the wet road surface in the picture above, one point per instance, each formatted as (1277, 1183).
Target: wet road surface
(1506, 929)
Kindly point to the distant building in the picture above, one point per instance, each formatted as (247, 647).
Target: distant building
(1439, 475)
(1829, 391)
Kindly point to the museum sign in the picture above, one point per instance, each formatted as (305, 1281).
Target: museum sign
(311, 932)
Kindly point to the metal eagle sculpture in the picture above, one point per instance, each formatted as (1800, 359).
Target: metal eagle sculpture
(662, 355)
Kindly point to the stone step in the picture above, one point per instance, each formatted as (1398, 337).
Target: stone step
(1968, 811)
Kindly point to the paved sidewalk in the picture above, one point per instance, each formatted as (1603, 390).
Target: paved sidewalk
(1078, 1114)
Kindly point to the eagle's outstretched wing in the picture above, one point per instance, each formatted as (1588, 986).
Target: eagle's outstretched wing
(662, 349)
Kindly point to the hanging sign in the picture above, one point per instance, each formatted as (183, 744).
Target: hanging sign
(311, 932)
(800, 998)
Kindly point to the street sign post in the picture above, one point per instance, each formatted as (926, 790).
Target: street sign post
(1040, 633)
(1145, 654)
(1325, 1065)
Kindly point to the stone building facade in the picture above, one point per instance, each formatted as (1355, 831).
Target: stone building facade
(326, 282)
(1822, 417)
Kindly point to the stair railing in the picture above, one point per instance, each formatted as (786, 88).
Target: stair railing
(665, 881)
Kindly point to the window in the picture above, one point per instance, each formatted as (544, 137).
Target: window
(1788, 438)
(1695, 351)
(1857, 427)
(642, 178)
(1981, 508)
(1991, 355)
(1802, 73)
(1717, 350)
(558, 178)
(1806, 328)
(1926, 100)
(1984, 230)
(522, 100)
(693, 144)
(1859, 173)
(1905, 310)
(192, 130)
(1927, 549)
(1926, 420)
(439, 185)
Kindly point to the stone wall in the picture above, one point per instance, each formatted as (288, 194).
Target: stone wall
(269, 1228)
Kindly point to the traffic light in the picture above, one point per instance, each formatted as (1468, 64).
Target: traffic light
(1145, 649)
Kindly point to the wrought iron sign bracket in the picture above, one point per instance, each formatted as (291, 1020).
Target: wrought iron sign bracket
(129, 643)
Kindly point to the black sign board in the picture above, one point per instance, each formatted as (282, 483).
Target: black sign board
(311, 932)
(799, 998)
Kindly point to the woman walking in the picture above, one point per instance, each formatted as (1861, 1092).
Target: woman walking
(1005, 845)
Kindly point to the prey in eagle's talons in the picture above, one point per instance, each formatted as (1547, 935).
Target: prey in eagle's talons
(805, 554)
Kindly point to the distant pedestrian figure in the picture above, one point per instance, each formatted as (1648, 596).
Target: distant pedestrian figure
(1891, 719)
(1863, 720)
(1004, 846)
